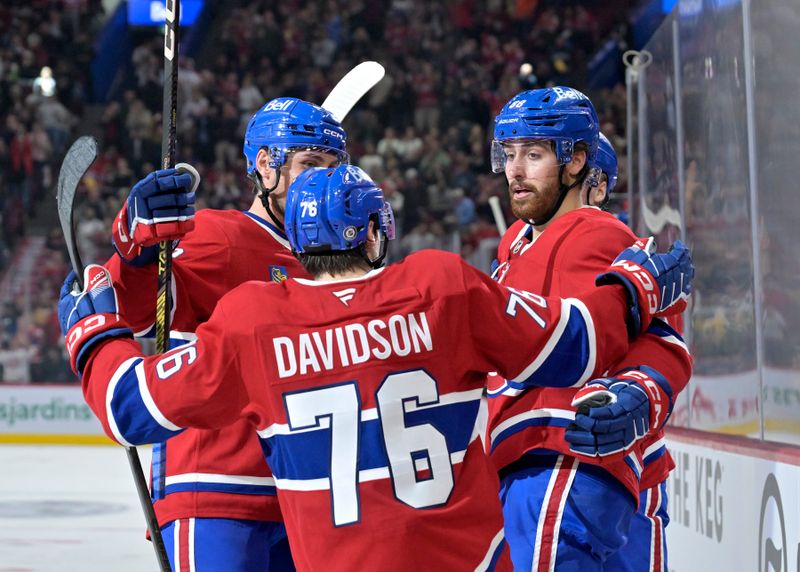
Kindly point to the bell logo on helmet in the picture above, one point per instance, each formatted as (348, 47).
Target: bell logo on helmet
(278, 105)
(350, 232)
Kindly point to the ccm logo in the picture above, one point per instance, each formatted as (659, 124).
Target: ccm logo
(654, 393)
(645, 279)
(333, 133)
(85, 327)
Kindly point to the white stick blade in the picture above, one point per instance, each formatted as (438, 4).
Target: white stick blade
(352, 87)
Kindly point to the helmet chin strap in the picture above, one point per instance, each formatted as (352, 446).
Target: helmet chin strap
(263, 194)
(378, 262)
(563, 189)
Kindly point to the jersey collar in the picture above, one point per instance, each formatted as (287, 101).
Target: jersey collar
(276, 233)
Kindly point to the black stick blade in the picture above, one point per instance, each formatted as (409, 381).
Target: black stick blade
(77, 161)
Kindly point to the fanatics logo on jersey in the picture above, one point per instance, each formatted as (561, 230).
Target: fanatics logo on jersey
(278, 273)
(345, 295)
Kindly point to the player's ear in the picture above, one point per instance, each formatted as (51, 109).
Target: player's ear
(262, 163)
(372, 232)
(576, 164)
(598, 193)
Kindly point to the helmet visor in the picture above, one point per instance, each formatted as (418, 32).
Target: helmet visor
(387, 221)
(534, 153)
(279, 155)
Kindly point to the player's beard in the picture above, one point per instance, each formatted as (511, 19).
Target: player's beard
(537, 204)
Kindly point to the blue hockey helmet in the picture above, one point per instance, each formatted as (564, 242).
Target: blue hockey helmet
(606, 161)
(288, 124)
(562, 115)
(330, 209)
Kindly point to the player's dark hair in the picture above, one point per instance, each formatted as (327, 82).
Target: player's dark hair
(335, 262)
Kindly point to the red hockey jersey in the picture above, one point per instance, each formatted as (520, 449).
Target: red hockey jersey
(217, 473)
(366, 397)
(564, 261)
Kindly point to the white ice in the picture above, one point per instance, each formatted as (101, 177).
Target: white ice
(68, 508)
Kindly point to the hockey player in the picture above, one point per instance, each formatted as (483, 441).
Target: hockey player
(646, 548)
(568, 503)
(364, 385)
(605, 177)
(213, 494)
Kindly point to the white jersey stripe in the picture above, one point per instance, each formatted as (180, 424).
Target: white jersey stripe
(192, 565)
(562, 503)
(537, 547)
(219, 479)
(654, 447)
(152, 408)
(176, 544)
(565, 414)
(487, 559)
(364, 476)
(675, 341)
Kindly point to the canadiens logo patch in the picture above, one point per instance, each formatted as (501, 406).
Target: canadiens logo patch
(278, 273)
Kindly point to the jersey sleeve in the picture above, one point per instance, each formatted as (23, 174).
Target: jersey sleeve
(150, 399)
(662, 349)
(199, 280)
(531, 340)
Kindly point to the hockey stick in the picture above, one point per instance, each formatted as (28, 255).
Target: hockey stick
(352, 87)
(497, 213)
(77, 161)
(169, 127)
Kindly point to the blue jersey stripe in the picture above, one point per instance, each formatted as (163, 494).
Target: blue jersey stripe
(560, 368)
(221, 488)
(533, 422)
(632, 465)
(133, 420)
(307, 455)
(662, 329)
(655, 455)
(496, 556)
(158, 470)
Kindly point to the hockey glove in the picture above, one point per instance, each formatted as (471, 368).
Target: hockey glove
(657, 284)
(614, 413)
(160, 207)
(90, 316)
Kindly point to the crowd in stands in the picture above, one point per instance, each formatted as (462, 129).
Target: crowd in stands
(422, 133)
(45, 56)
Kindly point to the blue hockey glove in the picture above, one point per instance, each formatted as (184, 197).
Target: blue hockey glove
(160, 207)
(657, 284)
(89, 316)
(614, 413)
